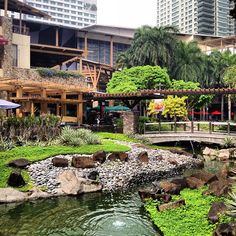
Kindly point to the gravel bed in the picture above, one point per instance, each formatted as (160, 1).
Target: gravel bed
(116, 174)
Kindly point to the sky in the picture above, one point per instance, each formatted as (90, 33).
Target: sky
(126, 13)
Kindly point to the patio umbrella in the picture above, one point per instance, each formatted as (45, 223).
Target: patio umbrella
(116, 108)
(8, 105)
(216, 113)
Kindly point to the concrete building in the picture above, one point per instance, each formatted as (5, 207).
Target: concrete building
(76, 13)
(207, 17)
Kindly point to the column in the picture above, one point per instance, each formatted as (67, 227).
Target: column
(19, 94)
(111, 51)
(5, 8)
(57, 37)
(80, 108)
(86, 45)
(44, 107)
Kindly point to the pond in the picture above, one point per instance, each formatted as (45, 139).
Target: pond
(100, 214)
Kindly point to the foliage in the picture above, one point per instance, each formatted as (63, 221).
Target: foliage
(228, 142)
(174, 107)
(6, 144)
(20, 130)
(38, 153)
(113, 136)
(154, 108)
(150, 46)
(137, 78)
(78, 137)
(196, 101)
(190, 219)
(48, 72)
(231, 205)
(141, 122)
(188, 62)
(230, 76)
(118, 122)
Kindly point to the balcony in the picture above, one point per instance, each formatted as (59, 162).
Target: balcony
(20, 30)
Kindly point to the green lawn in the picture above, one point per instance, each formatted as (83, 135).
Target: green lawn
(37, 153)
(116, 136)
(187, 220)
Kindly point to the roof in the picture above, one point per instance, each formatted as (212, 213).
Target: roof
(17, 6)
(153, 93)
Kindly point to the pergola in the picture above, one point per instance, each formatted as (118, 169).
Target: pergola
(29, 92)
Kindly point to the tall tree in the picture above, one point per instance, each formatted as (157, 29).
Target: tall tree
(152, 46)
(188, 62)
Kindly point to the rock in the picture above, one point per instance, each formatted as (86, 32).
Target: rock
(224, 155)
(225, 229)
(122, 156)
(181, 183)
(145, 194)
(36, 193)
(216, 209)
(93, 175)
(232, 153)
(8, 195)
(15, 179)
(83, 162)
(206, 151)
(143, 157)
(60, 162)
(194, 182)
(204, 176)
(179, 152)
(223, 173)
(218, 188)
(171, 205)
(99, 156)
(19, 163)
(172, 161)
(169, 187)
(72, 184)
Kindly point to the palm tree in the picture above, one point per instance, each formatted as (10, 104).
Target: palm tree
(153, 46)
(123, 60)
(188, 62)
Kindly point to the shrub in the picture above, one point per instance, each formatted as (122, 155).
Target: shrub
(47, 72)
(228, 142)
(78, 137)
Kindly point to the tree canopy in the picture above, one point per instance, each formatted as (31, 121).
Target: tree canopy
(137, 78)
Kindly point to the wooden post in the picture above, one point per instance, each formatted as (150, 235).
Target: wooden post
(111, 51)
(80, 109)
(58, 109)
(210, 131)
(192, 127)
(228, 127)
(44, 108)
(175, 127)
(63, 105)
(222, 107)
(229, 107)
(5, 8)
(57, 37)
(19, 94)
(80, 65)
(159, 125)
(32, 108)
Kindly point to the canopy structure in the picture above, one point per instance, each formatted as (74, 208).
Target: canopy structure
(117, 108)
(8, 105)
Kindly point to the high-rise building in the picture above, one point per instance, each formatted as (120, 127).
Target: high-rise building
(76, 13)
(210, 17)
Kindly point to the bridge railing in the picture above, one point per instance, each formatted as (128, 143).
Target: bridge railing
(190, 126)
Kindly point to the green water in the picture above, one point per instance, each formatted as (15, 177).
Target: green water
(100, 214)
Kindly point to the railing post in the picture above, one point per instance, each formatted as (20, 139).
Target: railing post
(210, 127)
(175, 126)
(192, 127)
(184, 126)
(228, 127)
(198, 127)
(213, 128)
(159, 126)
(144, 128)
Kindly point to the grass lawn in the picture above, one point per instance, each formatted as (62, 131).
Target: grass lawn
(187, 220)
(37, 153)
(116, 136)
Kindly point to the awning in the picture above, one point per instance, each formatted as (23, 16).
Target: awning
(3, 41)
(8, 105)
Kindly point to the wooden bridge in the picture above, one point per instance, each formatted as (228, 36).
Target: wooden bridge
(197, 131)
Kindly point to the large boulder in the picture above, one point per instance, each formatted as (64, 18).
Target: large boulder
(72, 184)
(224, 154)
(99, 156)
(218, 188)
(206, 151)
(179, 152)
(143, 157)
(181, 183)
(145, 194)
(15, 179)
(216, 209)
(8, 195)
(36, 193)
(170, 188)
(60, 162)
(225, 229)
(171, 205)
(204, 176)
(194, 183)
(19, 163)
(122, 156)
(83, 162)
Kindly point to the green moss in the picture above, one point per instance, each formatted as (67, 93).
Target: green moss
(187, 220)
(37, 153)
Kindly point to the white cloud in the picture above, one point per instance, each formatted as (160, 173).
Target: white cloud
(127, 13)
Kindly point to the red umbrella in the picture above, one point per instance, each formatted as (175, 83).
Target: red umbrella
(216, 113)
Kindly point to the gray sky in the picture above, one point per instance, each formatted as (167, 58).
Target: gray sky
(126, 13)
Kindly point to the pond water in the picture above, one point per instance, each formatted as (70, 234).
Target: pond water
(100, 214)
